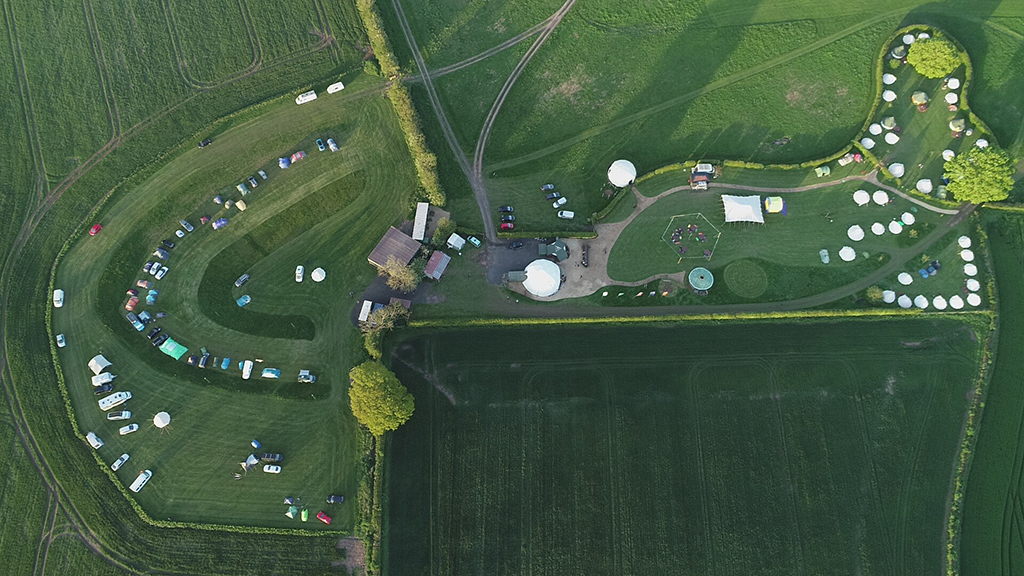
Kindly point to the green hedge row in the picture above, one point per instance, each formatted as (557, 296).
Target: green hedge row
(582, 234)
(603, 213)
(424, 160)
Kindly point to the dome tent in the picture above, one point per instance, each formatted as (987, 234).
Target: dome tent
(952, 98)
(897, 169)
(889, 122)
(867, 143)
(889, 96)
(948, 155)
(621, 173)
(855, 233)
(161, 420)
(919, 98)
(888, 79)
(967, 255)
(908, 219)
(973, 299)
(875, 129)
(973, 285)
(891, 138)
(895, 227)
(878, 228)
(964, 241)
(905, 278)
(953, 83)
(970, 269)
(543, 278)
(939, 302)
(920, 301)
(888, 296)
(847, 254)
(880, 197)
(904, 301)
(318, 275)
(924, 185)
(956, 302)
(861, 197)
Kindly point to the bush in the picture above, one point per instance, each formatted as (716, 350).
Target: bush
(445, 228)
(933, 57)
(371, 67)
(980, 175)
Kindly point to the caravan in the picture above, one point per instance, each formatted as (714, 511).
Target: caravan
(139, 482)
(246, 369)
(115, 399)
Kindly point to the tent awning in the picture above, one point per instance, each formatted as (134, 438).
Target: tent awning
(742, 209)
(99, 364)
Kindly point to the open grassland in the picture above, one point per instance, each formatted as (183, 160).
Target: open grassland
(675, 81)
(768, 449)
(990, 538)
(327, 210)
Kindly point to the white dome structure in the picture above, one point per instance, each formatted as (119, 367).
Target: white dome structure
(924, 185)
(878, 228)
(867, 143)
(939, 302)
(956, 302)
(856, 233)
(895, 227)
(161, 420)
(964, 241)
(973, 285)
(888, 79)
(981, 143)
(880, 197)
(953, 83)
(908, 219)
(923, 35)
(967, 255)
(622, 173)
(908, 39)
(904, 301)
(888, 96)
(875, 129)
(888, 296)
(847, 254)
(543, 278)
(920, 301)
(897, 169)
(891, 138)
(952, 98)
(973, 299)
(861, 197)
(948, 154)
(905, 278)
(970, 269)
(318, 275)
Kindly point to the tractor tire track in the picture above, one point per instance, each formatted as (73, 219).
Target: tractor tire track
(28, 111)
(485, 132)
(179, 52)
(325, 27)
(101, 68)
(513, 41)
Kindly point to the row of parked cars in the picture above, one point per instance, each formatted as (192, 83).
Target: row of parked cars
(506, 213)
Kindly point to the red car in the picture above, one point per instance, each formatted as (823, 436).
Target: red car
(95, 229)
(507, 226)
(132, 302)
(323, 517)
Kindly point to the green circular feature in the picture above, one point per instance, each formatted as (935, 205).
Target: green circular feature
(746, 278)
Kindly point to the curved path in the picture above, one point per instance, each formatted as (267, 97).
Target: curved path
(596, 276)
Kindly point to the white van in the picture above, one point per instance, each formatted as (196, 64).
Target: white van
(566, 214)
(246, 369)
(94, 440)
(306, 97)
(336, 87)
(144, 477)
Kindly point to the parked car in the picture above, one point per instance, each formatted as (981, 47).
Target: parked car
(474, 241)
(139, 326)
(103, 389)
(132, 292)
(94, 440)
(181, 233)
(126, 430)
(119, 462)
(332, 144)
(160, 315)
(60, 341)
(243, 300)
(506, 209)
(58, 298)
(507, 226)
(515, 245)
(184, 224)
(153, 333)
(204, 360)
(242, 188)
(334, 499)
(559, 203)
(218, 199)
(147, 267)
(320, 145)
(192, 360)
(271, 457)
(95, 229)
(145, 317)
(167, 244)
(219, 223)
(323, 517)
(225, 363)
(161, 339)
(229, 204)
(144, 284)
(553, 196)
(272, 469)
(161, 254)
(119, 415)
(547, 187)
(241, 280)
(131, 303)
(508, 218)
(253, 182)
(566, 214)
(205, 143)
(262, 174)
(299, 272)
(162, 272)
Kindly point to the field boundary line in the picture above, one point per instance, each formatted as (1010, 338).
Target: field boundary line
(710, 87)
(93, 31)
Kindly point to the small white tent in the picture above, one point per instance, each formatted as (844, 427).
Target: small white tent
(99, 364)
(939, 302)
(970, 269)
(920, 301)
(847, 254)
(318, 275)
(855, 233)
(861, 197)
(905, 278)
(897, 169)
(973, 299)
(878, 228)
(161, 420)
(964, 241)
(621, 173)
(742, 208)
(888, 296)
(967, 255)
(880, 197)
(956, 301)
(904, 301)
(973, 285)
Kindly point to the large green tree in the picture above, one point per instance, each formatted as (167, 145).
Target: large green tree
(933, 57)
(980, 175)
(379, 401)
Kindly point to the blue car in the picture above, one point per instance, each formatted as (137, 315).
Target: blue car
(135, 321)
(243, 300)
(225, 364)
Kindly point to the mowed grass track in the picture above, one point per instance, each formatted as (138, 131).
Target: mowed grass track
(738, 449)
(216, 413)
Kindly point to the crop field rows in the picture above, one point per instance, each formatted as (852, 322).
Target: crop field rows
(686, 450)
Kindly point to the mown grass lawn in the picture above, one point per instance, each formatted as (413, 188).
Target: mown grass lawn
(327, 210)
(748, 448)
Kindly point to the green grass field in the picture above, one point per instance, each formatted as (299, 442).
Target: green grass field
(768, 449)
(324, 211)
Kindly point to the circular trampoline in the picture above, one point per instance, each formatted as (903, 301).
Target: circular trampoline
(700, 278)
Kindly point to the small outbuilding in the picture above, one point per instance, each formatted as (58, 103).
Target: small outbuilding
(419, 224)
(436, 265)
(456, 242)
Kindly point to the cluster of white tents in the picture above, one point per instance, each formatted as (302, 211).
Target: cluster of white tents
(956, 302)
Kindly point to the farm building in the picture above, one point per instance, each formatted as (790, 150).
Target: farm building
(394, 243)
(436, 265)
(558, 249)
(419, 225)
